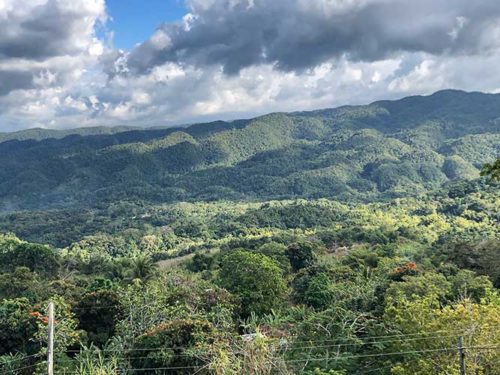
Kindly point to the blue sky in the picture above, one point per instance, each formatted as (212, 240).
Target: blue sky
(133, 21)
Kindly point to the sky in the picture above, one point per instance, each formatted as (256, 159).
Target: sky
(133, 21)
(75, 63)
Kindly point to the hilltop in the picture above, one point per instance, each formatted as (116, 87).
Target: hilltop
(382, 150)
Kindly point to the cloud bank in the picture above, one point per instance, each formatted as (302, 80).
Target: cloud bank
(236, 58)
(296, 35)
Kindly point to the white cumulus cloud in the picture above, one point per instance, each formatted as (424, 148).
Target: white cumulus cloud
(238, 58)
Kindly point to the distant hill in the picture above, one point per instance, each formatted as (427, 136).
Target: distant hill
(39, 134)
(383, 150)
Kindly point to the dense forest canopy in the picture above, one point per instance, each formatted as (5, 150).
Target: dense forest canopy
(355, 240)
(277, 287)
(383, 150)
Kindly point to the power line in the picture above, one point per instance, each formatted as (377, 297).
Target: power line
(24, 357)
(147, 357)
(397, 335)
(403, 339)
(341, 357)
(493, 347)
(22, 368)
(377, 342)
(376, 369)
(371, 355)
(333, 359)
(164, 368)
(150, 369)
(393, 353)
(353, 356)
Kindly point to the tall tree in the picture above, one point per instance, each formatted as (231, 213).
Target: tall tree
(255, 278)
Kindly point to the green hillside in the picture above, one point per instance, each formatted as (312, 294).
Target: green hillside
(40, 134)
(341, 241)
(315, 287)
(383, 150)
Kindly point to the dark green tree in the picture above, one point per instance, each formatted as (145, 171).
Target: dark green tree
(301, 255)
(38, 258)
(201, 262)
(255, 278)
(492, 170)
(98, 312)
(17, 326)
(181, 340)
(20, 283)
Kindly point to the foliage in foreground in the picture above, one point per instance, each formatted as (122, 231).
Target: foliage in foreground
(294, 287)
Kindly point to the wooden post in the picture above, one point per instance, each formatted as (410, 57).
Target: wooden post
(50, 346)
(461, 354)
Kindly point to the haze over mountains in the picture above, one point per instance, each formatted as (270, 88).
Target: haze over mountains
(385, 149)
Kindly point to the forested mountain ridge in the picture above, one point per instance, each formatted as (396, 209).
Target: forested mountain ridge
(163, 254)
(382, 150)
(41, 133)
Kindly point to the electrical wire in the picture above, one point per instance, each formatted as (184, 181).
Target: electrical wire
(21, 368)
(332, 359)
(378, 342)
(404, 339)
(24, 358)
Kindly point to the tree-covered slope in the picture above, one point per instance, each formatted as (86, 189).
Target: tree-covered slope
(40, 133)
(385, 149)
(312, 287)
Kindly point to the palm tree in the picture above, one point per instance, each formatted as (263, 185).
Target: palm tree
(142, 267)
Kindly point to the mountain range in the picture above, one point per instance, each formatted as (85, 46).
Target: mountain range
(386, 149)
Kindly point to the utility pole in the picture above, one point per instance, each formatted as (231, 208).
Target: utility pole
(461, 354)
(50, 346)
